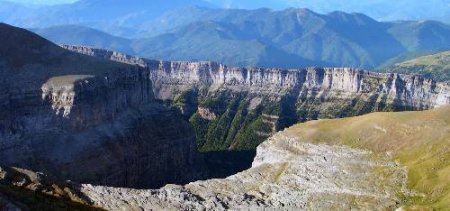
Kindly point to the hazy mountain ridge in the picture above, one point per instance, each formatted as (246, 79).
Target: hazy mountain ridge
(337, 38)
(288, 38)
(80, 35)
(181, 30)
(385, 10)
(116, 17)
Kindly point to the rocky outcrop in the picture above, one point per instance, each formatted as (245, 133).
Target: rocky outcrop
(370, 162)
(22, 189)
(106, 54)
(205, 113)
(286, 174)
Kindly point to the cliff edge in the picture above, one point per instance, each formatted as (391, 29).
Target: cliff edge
(375, 161)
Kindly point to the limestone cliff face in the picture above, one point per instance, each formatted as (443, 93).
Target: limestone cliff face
(228, 106)
(99, 129)
(86, 119)
(403, 90)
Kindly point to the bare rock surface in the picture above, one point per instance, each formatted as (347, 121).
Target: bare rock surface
(286, 174)
(86, 119)
(205, 113)
(172, 78)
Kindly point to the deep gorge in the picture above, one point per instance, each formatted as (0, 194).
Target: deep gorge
(143, 124)
(234, 108)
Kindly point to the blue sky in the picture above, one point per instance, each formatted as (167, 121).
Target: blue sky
(43, 1)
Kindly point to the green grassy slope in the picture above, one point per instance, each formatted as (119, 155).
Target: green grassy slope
(436, 66)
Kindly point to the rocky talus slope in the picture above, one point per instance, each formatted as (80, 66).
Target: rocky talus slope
(85, 119)
(286, 174)
(370, 162)
(238, 108)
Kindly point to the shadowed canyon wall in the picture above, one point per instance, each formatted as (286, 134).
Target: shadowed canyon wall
(88, 120)
(106, 130)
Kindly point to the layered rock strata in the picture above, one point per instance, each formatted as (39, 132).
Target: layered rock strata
(401, 90)
(85, 119)
(405, 90)
(105, 130)
(228, 106)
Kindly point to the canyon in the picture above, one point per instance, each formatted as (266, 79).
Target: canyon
(123, 126)
(233, 108)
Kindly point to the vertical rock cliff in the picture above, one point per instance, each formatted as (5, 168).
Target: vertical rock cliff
(85, 119)
(237, 108)
(106, 130)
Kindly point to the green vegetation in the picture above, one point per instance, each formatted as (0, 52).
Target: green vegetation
(235, 127)
(418, 140)
(238, 128)
(186, 98)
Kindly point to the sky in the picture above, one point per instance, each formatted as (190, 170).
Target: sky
(47, 2)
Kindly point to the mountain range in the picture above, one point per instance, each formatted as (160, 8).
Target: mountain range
(385, 10)
(115, 16)
(203, 30)
(267, 38)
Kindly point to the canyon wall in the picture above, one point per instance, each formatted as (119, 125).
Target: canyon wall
(94, 121)
(238, 108)
(402, 90)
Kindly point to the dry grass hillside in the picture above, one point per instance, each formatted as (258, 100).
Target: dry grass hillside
(420, 141)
